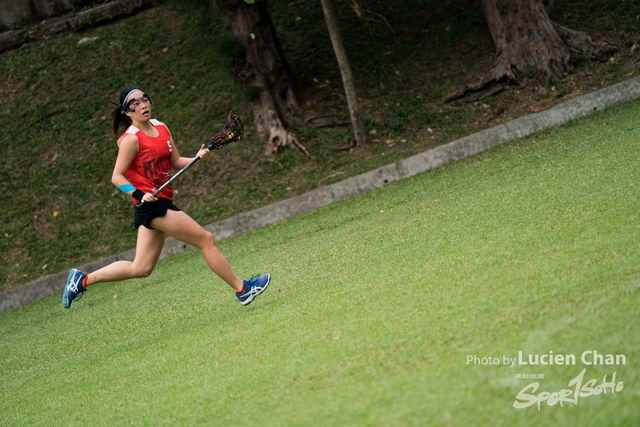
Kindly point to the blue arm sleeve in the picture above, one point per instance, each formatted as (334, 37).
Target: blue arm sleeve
(126, 188)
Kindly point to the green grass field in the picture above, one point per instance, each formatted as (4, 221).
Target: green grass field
(376, 306)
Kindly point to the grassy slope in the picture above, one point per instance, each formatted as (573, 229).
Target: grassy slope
(376, 304)
(60, 208)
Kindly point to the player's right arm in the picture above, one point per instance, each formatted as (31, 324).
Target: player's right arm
(128, 149)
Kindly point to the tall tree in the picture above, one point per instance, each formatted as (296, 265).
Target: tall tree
(359, 135)
(275, 103)
(527, 40)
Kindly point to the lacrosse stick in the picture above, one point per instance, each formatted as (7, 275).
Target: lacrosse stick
(231, 132)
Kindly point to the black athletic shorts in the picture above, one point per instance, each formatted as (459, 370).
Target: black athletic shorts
(143, 215)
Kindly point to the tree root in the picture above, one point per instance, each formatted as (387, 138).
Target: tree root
(493, 82)
(582, 45)
(553, 63)
(269, 127)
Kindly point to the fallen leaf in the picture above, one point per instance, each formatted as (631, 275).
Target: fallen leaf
(87, 40)
(542, 105)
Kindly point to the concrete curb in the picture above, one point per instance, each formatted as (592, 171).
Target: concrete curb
(579, 107)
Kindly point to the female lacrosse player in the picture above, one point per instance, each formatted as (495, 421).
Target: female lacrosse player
(146, 156)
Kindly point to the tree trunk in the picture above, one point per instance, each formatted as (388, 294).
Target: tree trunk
(359, 134)
(526, 42)
(276, 103)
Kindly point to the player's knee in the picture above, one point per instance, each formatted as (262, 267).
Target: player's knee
(143, 271)
(208, 239)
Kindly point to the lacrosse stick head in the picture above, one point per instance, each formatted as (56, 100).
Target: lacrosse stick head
(231, 132)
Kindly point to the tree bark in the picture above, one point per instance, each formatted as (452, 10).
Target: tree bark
(527, 42)
(359, 135)
(275, 103)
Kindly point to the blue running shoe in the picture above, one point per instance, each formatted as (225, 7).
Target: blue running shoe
(74, 289)
(252, 288)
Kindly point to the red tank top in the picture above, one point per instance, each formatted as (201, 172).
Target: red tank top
(151, 167)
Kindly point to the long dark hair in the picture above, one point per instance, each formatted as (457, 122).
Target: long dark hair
(118, 116)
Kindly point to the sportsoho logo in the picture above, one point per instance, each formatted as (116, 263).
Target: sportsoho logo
(577, 388)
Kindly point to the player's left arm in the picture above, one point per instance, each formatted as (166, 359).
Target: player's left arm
(177, 161)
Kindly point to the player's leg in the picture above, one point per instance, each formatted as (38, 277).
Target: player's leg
(181, 226)
(148, 247)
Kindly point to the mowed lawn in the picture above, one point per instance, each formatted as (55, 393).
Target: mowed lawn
(388, 309)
